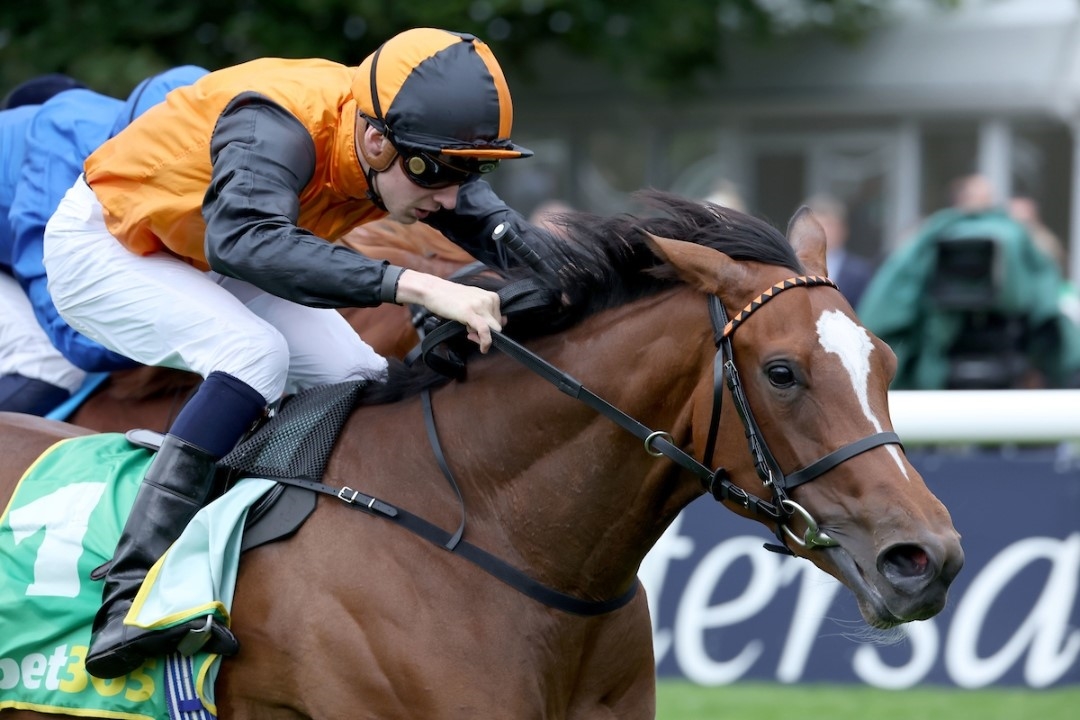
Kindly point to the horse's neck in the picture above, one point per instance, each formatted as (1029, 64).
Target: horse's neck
(544, 476)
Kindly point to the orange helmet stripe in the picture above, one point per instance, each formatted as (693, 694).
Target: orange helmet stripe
(506, 106)
(391, 72)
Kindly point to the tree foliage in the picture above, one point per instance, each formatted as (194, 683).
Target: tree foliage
(112, 44)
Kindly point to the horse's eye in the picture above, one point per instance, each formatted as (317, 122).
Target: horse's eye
(780, 376)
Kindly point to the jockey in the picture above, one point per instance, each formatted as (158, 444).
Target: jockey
(202, 238)
(49, 360)
(34, 376)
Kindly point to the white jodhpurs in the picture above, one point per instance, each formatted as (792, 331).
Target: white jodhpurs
(25, 348)
(158, 310)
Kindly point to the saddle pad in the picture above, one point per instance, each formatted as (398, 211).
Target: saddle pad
(297, 441)
(64, 520)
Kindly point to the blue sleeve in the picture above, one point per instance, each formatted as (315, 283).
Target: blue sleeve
(63, 133)
(13, 126)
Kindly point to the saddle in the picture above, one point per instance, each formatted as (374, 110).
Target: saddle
(294, 444)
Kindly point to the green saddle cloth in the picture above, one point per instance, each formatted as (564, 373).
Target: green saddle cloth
(63, 521)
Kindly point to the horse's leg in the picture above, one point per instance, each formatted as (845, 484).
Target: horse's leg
(618, 675)
(261, 682)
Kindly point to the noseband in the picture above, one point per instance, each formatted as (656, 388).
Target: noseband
(782, 508)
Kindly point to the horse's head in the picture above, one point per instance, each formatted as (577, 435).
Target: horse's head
(807, 385)
(796, 374)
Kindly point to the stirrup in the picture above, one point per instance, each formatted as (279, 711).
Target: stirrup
(196, 638)
(129, 652)
(213, 638)
(148, 439)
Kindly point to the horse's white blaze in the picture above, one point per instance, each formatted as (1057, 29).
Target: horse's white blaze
(839, 335)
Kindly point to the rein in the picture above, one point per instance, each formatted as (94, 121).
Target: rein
(781, 508)
(520, 296)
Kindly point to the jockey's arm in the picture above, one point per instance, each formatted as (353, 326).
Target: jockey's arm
(252, 206)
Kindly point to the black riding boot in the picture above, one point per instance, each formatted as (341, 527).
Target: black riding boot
(175, 487)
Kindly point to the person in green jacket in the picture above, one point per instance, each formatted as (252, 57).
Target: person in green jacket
(919, 310)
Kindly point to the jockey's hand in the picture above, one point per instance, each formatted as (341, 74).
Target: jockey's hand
(475, 308)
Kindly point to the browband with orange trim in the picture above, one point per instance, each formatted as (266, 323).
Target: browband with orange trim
(800, 281)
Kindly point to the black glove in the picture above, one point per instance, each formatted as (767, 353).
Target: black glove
(490, 230)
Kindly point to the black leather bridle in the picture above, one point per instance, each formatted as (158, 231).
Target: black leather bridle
(780, 509)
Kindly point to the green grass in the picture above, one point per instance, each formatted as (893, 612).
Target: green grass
(757, 701)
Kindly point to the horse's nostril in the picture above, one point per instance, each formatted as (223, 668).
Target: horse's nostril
(905, 562)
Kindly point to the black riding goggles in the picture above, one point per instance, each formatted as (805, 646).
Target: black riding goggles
(427, 171)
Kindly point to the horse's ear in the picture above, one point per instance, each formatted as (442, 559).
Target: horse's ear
(706, 269)
(808, 238)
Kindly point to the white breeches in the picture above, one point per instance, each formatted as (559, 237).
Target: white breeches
(25, 349)
(158, 310)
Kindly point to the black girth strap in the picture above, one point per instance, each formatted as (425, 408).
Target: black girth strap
(481, 558)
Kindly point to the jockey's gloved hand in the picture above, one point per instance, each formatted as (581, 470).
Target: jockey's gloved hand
(473, 223)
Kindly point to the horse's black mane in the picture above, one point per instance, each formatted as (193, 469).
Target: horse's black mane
(597, 262)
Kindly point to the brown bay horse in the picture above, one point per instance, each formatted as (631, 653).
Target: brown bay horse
(150, 397)
(356, 617)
